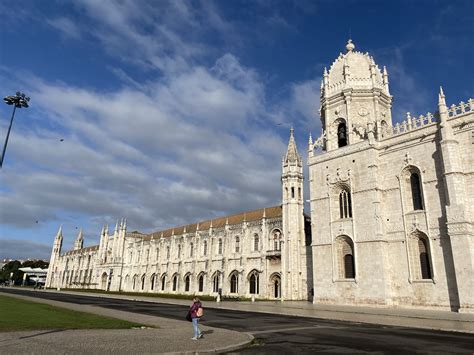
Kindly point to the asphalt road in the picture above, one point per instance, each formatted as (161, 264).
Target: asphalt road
(287, 334)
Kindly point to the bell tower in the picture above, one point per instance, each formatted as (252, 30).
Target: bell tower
(293, 250)
(355, 99)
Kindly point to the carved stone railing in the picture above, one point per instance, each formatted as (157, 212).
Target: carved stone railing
(461, 109)
(411, 123)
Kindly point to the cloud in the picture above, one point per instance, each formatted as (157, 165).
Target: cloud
(66, 26)
(24, 249)
(189, 147)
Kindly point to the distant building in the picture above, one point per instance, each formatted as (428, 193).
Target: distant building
(263, 253)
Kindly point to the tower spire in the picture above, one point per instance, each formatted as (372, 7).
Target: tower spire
(292, 155)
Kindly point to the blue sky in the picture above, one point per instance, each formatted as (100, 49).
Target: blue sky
(176, 111)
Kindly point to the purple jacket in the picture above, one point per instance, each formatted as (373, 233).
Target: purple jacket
(194, 308)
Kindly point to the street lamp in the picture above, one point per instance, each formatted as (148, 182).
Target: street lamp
(19, 100)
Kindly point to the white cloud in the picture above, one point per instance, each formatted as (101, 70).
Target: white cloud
(66, 26)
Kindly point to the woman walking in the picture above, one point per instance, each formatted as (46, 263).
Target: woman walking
(196, 313)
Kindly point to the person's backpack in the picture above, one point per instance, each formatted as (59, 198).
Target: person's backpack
(200, 312)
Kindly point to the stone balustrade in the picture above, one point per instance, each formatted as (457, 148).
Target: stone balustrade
(462, 108)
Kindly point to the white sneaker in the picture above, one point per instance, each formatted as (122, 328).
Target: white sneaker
(194, 338)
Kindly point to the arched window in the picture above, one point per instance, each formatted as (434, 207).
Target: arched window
(186, 283)
(253, 283)
(345, 204)
(416, 191)
(168, 252)
(135, 280)
(424, 259)
(191, 250)
(256, 241)
(143, 282)
(341, 135)
(201, 283)
(292, 192)
(219, 247)
(147, 255)
(420, 256)
(152, 282)
(237, 244)
(163, 282)
(345, 257)
(349, 272)
(179, 251)
(233, 283)
(215, 282)
(175, 282)
(205, 248)
(276, 240)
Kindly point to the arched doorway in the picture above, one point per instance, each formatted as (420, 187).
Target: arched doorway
(103, 281)
(275, 286)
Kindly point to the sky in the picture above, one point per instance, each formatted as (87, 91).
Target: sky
(171, 112)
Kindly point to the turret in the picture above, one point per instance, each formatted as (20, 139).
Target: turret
(293, 262)
(57, 245)
(79, 243)
(355, 93)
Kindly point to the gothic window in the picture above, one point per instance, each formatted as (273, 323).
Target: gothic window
(186, 283)
(253, 283)
(345, 204)
(163, 282)
(299, 192)
(256, 240)
(416, 191)
(175, 282)
(215, 282)
(345, 258)
(147, 254)
(168, 252)
(157, 253)
(233, 283)
(143, 282)
(424, 260)
(341, 135)
(420, 256)
(191, 250)
(135, 280)
(179, 251)
(201, 283)
(276, 240)
(219, 247)
(152, 282)
(237, 244)
(205, 248)
(292, 192)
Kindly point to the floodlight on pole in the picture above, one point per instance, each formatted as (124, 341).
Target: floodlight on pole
(20, 100)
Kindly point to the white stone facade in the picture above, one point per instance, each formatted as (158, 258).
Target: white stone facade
(392, 207)
(392, 216)
(262, 254)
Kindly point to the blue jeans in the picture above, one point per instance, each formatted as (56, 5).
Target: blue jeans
(197, 332)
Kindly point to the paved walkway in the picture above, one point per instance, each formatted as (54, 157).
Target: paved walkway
(168, 336)
(173, 336)
(415, 318)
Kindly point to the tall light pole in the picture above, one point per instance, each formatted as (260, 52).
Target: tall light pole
(19, 100)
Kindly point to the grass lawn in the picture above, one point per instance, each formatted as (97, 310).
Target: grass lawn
(16, 314)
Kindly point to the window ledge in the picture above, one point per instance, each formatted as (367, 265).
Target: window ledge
(423, 281)
(345, 280)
